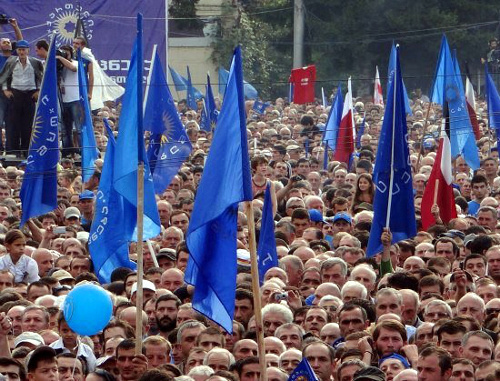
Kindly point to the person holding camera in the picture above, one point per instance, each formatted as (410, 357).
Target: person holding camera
(72, 112)
(20, 79)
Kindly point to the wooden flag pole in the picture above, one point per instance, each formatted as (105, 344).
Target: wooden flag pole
(426, 122)
(436, 188)
(257, 307)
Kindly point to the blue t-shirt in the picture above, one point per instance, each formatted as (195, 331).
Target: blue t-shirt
(473, 207)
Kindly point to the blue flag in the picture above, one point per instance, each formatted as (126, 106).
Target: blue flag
(266, 250)
(226, 181)
(169, 145)
(401, 211)
(130, 150)
(361, 132)
(334, 119)
(260, 107)
(109, 233)
(180, 82)
(209, 112)
(39, 187)
(90, 153)
(458, 73)
(392, 67)
(303, 372)
(191, 95)
(493, 101)
(448, 87)
(250, 91)
(325, 158)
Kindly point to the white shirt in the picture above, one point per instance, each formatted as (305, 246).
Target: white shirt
(25, 270)
(69, 82)
(83, 350)
(23, 78)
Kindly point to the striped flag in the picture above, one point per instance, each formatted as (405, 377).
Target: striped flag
(378, 98)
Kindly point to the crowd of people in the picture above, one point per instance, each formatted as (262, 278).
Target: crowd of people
(425, 308)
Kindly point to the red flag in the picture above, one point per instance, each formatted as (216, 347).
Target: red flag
(471, 107)
(439, 189)
(345, 137)
(378, 98)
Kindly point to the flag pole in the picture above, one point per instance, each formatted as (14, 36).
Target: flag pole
(140, 196)
(391, 181)
(256, 289)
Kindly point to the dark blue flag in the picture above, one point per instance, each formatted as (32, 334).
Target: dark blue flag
(226, 181)
(325, 158)
(334, 119)
(493, 101)
(191, 95)
(130, 150)
(169, 145)
(392, 66)
(260, 107)
(180, 82)
(209, 112)
(361, 132)
(39, 187)
(458, 73)
(393, 203)
(448, 87)
(303, 372)
(109, 233)
(89, 151)
(249, 90)
(266, 250)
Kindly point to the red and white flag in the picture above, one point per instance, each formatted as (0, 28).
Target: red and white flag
(439, 188)
(470, 98)
(346, 134)
(378, 98)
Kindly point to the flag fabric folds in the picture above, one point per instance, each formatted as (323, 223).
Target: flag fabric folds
(89, 150)
(169, 145)
(226, 181)
(39, 188)
(130, 150)
(303, 372)
(345, 136)
(249, 90)
(493, 101)
(439, 187)
(109, 237)
(470, 98)
(393, 202)
(191, 95)
(447, 88)
(260, 107)
(266, 250)
(209, 112)
(392, 67)
(180, 82)
(378, 97)
(323, 98)
(333, 122)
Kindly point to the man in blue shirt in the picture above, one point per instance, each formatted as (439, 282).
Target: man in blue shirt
(480, 190)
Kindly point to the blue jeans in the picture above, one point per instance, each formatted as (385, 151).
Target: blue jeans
(72, 126)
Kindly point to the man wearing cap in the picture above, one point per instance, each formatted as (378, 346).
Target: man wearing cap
(342, 223)
(369, 373)
(72, 216)
(167, 258)
(20, 79)
(86, 206)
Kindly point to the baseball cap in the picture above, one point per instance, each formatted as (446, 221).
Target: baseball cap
(103, 360)
(72, 212)
(316, 216)
(22, 44)
(146, 285)
(469, 238)
(167, 253)
(29, 337)
(292, 147)
(86, 195)
(395, 356)
(62, 275)
(370, 373)
(342, 216)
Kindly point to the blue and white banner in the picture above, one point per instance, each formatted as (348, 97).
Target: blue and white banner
(110, 27)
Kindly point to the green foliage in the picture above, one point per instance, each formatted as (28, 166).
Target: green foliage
(184, 9)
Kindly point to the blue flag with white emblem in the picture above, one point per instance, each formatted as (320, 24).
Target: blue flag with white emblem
(393, 205)
(303, 372)
(266, 250)
(448, 87)
(39, 188)
(226, 182)
(130, 150)
(90, 153)
(108, 237)
(260, 106)
(169, 145)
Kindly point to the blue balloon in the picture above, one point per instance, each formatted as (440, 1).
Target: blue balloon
(87, 309)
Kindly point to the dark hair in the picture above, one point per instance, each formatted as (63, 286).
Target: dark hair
(443, 355)
(450, 327)
(238, 365)
(120, 273)
(42, 44)
(13, 235)
(403, 279)
(7, 361)
(300, 213)
(155, 375)
(104, 374)
(431, 280)
(126, 345)
(42, 353)
(477, 179)
(480, 244)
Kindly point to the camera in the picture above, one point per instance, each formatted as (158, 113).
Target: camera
(61, 53)
(4, 19)
(281, 296)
